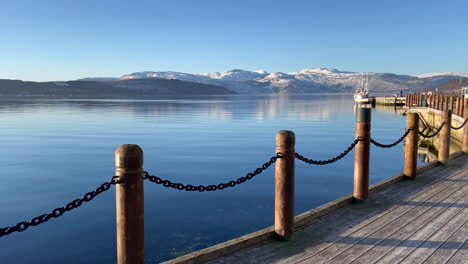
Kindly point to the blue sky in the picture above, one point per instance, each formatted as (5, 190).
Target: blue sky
(63, 39)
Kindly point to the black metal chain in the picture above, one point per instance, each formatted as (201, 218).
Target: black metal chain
(202, 188)
(435, 133)
(22, 226)
(392, 144)
(456, 128)
(329, 161)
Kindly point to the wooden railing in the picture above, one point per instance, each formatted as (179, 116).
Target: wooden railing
(456, 104)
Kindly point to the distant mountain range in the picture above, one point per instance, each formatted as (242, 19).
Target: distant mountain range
(150, 85)
(306, 81)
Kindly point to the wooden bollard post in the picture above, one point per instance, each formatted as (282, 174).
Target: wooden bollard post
(464, 105)
(284, 184)
(465, 129)
(362, 152)
(436, 106)
(411, 146)
(406, 99)
(450, 104)
(444, 138)
(129, 205)
(460, 111)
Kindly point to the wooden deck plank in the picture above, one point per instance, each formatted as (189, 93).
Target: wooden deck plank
(441, 229)
(384, 211)
(385, 246)
(461, 257)
(353, 237)
(452, 245)
(328, 243)
(403, 226)
(326, 225)
(399, 252)
(441, 235)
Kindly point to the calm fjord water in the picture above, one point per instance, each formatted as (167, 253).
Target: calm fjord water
(54, 151)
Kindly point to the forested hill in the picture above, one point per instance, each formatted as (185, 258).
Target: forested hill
(128, 89)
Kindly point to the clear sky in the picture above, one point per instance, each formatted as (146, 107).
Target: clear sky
(70, 39)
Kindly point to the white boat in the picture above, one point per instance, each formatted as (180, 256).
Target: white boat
(361, 94)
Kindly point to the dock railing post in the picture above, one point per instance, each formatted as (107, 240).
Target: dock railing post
(411, 145)
(129, 205)
(362, 152)
(444, 138)
(465, 129)
(284, 184)
(450, 102)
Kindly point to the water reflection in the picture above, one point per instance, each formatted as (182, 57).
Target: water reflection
(215, 107)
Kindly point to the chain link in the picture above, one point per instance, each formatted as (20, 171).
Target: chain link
(435, 133)
(456, 128)
(329, 161)
(57, 212)
(392, 144)
(202, 188)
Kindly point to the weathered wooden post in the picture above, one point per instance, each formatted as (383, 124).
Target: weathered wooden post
(464, 105)
(406, 99)
(444, 138)
(362, 152)
(284, 184)
(461, 113)
(411, 146)
(458, 106)
(450, 102)
(129, 205)
(465, 129)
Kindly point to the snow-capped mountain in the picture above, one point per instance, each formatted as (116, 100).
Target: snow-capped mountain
(307, 80)
(230, 75)
(427, 75)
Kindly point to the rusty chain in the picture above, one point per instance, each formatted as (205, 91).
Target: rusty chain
(329, 161)
(434, 134)
(392, 144)
(202, 188)
(462, 125)
(57, 212)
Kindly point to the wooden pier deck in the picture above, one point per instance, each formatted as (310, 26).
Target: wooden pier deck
(411, 221)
